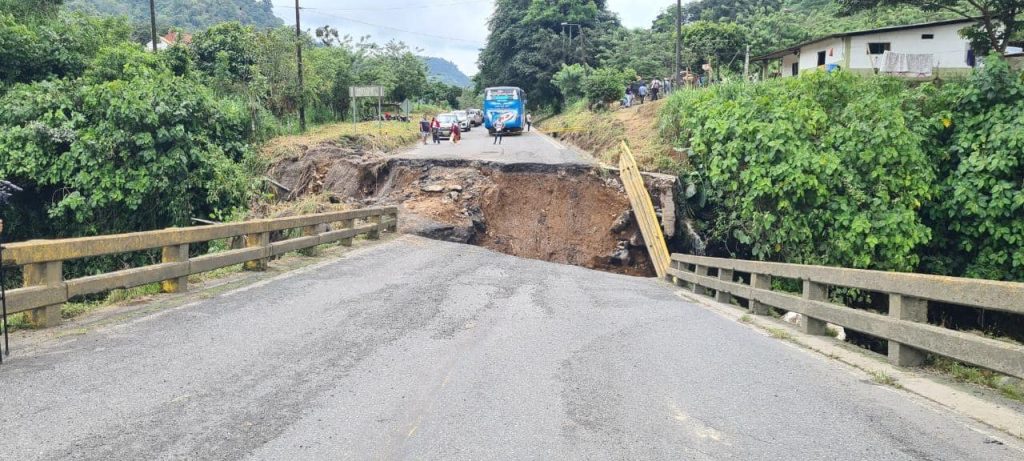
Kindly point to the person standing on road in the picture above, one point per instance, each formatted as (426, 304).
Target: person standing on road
(642, 92)
(424, 129)
(499, 132)
(456, 132)
(435, 128)
(529, 121)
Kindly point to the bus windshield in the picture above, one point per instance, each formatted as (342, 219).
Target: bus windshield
(502, 94)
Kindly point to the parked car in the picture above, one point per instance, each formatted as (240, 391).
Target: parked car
(446, 120)
(463, 117)
(476, 117)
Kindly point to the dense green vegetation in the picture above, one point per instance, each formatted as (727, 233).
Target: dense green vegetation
(184, 14)
(861, 172)
(528, 45)
(107, 137)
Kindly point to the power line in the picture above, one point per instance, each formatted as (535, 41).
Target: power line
(390, 8)
(442, 37)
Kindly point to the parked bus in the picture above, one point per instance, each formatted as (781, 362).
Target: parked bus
(506, 104)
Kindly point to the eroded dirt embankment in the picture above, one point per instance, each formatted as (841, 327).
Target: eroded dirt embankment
(573, 214)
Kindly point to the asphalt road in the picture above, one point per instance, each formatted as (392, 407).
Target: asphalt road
(417, 349)
(477, 144)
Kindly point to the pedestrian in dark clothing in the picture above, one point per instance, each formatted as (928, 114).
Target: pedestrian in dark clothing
(424, 129)
(499, 132)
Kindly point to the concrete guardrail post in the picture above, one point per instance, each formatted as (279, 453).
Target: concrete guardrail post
(724, 297)
(393, 225)
(347, 224)
(814, 292)
(175, 254)
(702, 271)
(48, 274)
(912, 309)
(760, 282)
(375, 233)
(262, 240)
(311, 231)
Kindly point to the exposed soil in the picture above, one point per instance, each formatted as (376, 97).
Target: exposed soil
(568, 214)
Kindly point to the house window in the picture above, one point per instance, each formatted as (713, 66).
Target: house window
(878, 48)
(821, 58)
(927, 36)
(795, 69)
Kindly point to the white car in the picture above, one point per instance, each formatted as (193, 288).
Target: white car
(463, 118)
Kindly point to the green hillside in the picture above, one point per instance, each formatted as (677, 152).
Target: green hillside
(446, 72)
(186, 14)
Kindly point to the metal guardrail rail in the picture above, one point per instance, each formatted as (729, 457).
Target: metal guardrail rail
(45, 288)
(906, 328)
(643, 208)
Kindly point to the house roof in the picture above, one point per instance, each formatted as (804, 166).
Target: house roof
(793, 49)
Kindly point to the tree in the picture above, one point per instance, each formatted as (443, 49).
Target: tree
(651, 54)
(569, 81)
(997, 19)
(527, 44)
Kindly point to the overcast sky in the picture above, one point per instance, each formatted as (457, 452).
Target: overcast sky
(450, 29)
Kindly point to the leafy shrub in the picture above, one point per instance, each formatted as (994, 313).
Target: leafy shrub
(977, 136)
(821, 169)
(606, 85)
(569, 81)
(142, 150)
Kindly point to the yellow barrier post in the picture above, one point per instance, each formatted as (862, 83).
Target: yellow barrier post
(643, 208)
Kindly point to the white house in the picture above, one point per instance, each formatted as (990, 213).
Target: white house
(172, 38)
(916, 50)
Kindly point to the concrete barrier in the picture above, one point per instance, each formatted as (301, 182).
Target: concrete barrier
(45, 289)
(906, 328)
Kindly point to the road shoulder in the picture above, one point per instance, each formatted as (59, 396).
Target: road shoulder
(974, 402)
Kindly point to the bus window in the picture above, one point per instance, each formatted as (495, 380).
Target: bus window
(502, 94)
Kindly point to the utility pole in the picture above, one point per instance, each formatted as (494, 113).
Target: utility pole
(746, 65)
(152, 22)
(679, 39)
(298, 57)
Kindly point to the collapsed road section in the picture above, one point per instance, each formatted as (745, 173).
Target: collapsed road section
(567, 213)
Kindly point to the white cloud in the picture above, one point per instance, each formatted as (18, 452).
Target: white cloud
(449, 29)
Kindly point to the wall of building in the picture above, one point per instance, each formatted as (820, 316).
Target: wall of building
(787, 64)
(949, 48)
(833, 49)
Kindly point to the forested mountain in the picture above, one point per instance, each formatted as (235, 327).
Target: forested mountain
(186, 14)
(446, 72)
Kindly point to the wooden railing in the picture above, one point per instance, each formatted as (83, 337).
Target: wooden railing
(909, 335)
(643, 209)
(45, 289)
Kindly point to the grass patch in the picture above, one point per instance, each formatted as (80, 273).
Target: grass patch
(831, 332)
(884, 379)
(600, 133)
(1008, 387)
(779, 333)
(747, 318)
(367, 136)
(774, 313)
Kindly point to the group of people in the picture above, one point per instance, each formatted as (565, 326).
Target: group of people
(640, 90)
(432, 127)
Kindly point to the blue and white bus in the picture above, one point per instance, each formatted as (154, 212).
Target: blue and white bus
(506, 104)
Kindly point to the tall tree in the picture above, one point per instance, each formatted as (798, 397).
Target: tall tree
(528, 43)
(997, 19)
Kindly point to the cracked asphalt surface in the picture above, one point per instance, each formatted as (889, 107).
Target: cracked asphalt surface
(417, 349)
